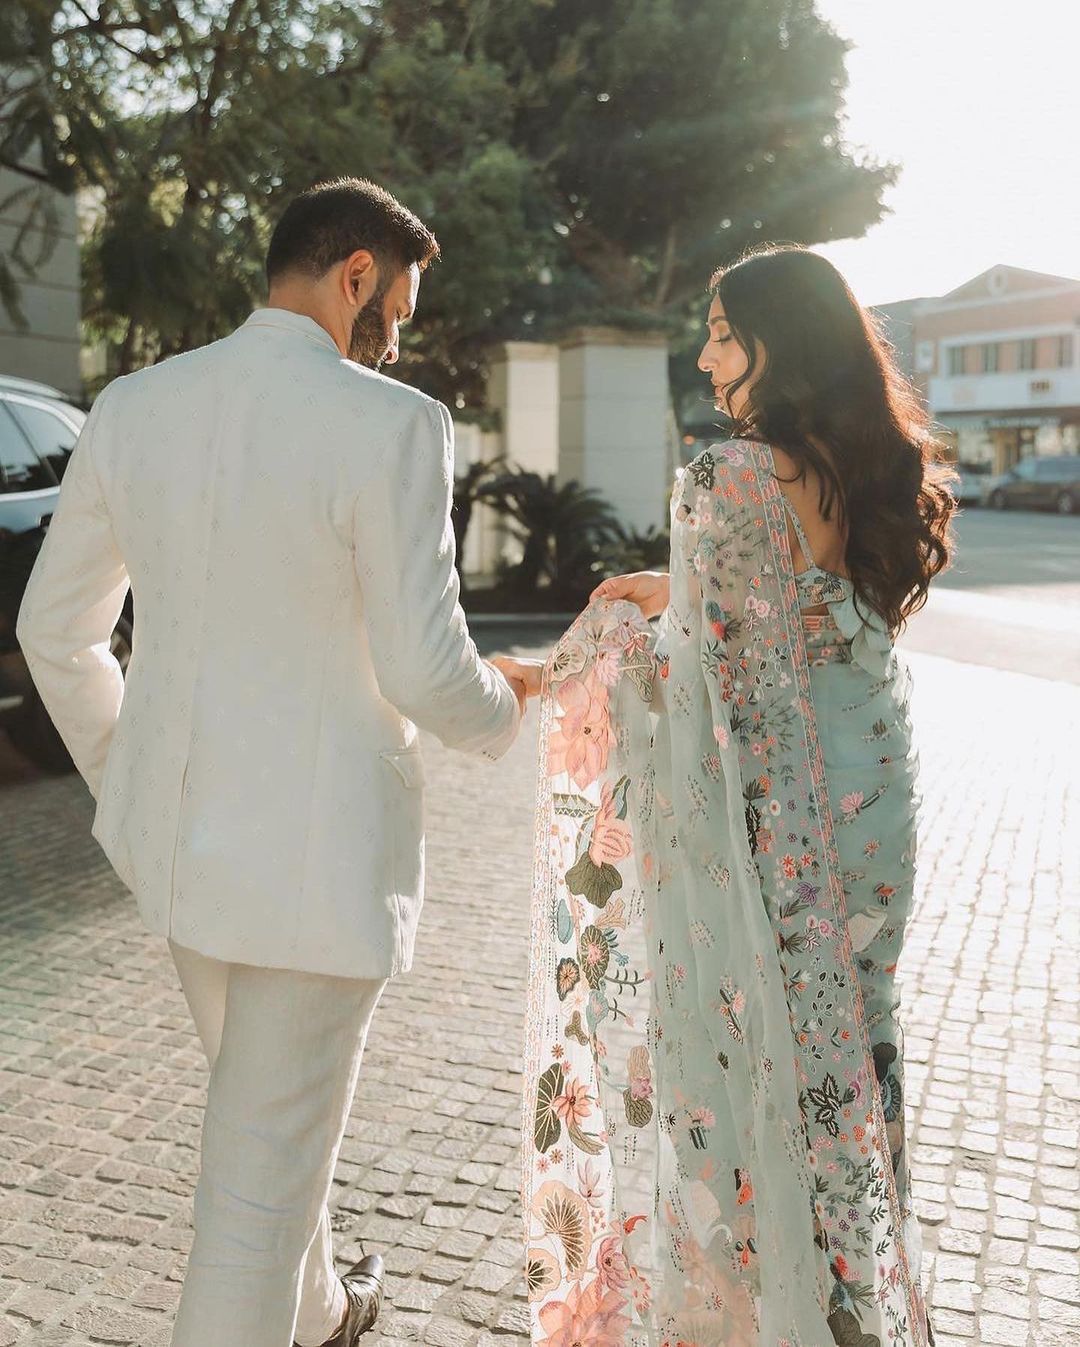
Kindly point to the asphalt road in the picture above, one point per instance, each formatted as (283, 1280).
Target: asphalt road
(1010, 601)
(1012, 598)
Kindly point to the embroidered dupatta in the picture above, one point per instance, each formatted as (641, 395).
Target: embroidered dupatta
(705, 1160)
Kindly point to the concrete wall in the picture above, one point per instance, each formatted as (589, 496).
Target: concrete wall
(523, 389)
(595, 410)
(614, 428)
(48, 350)
(485, 539)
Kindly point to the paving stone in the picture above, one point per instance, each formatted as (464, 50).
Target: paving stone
(474, 1308)
(418, 1295)
(102, 1082)
(1007, 1332)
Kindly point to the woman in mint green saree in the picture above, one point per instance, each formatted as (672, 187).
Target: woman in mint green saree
(714, 1114)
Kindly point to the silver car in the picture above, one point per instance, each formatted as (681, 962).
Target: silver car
(970, 482)
(1039, 482)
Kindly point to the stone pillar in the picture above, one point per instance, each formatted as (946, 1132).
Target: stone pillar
(614, 425)
(523, 388)
(483, 541)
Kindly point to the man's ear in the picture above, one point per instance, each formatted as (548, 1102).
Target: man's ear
(361, 276)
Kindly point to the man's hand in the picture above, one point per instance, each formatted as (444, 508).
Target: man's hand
(648, 589)
(523, 675)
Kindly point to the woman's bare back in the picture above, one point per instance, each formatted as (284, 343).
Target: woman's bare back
(827, 537)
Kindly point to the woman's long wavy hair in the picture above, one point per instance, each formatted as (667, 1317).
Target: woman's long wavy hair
(826, 389)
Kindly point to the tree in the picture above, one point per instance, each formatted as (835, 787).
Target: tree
(677, 132)
(560, 528)
(579, 162)
(630, 549)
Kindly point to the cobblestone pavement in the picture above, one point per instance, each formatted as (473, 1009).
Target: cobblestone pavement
(102, 1081)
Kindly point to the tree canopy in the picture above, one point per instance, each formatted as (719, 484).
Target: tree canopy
(579, 162)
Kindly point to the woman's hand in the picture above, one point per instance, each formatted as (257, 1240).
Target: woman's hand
(524, 673)
(648, 589)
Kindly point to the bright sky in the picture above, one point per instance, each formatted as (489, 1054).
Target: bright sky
(979, 102)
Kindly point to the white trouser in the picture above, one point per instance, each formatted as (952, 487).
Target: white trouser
(284, 1050)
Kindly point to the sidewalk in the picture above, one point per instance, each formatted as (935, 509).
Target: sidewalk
(101, 1079)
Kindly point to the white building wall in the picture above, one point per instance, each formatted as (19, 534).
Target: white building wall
(484, 538)
(614, 429)
(1021, 389)
(48, 349)
(524, 391)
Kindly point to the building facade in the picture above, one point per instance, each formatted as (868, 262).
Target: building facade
(43, 260)
(998, 362)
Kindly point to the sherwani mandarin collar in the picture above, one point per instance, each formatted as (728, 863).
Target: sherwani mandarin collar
(289, 321)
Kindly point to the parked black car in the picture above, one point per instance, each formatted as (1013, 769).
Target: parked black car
(1050, 482)
(38, 430)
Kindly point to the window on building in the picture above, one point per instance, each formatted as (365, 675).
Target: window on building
(1026, 357)
(1064, 350)
(956, 359)
(990, 353)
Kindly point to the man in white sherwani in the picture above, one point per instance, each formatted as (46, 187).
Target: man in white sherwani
(282, 514)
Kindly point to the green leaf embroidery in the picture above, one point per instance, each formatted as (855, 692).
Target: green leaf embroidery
(596, 883)
(638, 1111)
(547, 1126)
(582, 1140)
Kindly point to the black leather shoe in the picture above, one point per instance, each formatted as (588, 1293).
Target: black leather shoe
(363, 1291)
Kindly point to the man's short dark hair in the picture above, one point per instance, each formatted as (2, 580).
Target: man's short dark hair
(332, 220)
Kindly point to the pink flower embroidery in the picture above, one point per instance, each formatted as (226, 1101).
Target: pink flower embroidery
(591, 1184)
(852, 802)
(589, 1317)
(611, 840)
(574, 1104)
(581, 740)
(611, 1264)
(606, 666)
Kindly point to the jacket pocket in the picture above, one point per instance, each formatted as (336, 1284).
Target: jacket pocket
(408, 764)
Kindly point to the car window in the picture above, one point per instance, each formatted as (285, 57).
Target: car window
(1048, 471)
(67, 410)
(20, 467)
(1025, 469)
(51, 435)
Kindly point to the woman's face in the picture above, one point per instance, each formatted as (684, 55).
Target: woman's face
(724, 361)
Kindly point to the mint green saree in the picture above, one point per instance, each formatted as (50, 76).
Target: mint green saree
(714, 1151)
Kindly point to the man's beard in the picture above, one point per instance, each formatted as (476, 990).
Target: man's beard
(369, 341)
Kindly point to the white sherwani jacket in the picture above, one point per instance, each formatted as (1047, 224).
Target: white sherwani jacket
(284, 518)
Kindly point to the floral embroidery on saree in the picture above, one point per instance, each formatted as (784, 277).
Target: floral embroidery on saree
(706, 1158)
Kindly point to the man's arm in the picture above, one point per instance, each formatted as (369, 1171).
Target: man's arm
(425, 661)
(71, 606)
